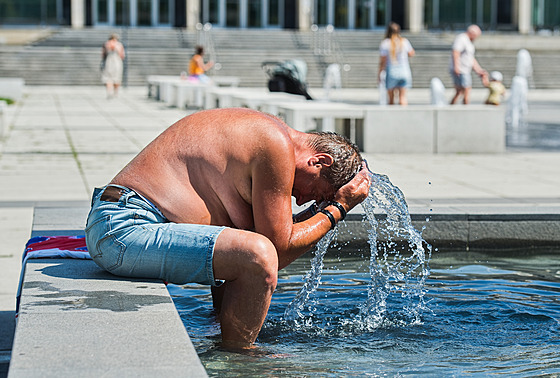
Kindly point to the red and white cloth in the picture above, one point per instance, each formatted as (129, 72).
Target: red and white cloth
(40, 247)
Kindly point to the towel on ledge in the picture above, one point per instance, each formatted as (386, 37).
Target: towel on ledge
(40, 247)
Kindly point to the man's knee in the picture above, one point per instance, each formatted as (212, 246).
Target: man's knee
(264, 261)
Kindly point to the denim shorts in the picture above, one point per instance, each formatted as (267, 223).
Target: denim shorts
(398, 76)
(462, 80)
(128, 236)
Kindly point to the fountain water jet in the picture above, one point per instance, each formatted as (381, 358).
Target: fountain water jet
(517, 107)
(437, 92)
(382, 88)
(332, 79)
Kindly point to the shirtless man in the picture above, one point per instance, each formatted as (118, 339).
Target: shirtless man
(209, 201)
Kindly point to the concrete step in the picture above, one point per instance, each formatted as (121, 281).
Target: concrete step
(73, 56)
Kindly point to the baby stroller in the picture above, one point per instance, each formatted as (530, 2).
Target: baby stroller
(287, 76)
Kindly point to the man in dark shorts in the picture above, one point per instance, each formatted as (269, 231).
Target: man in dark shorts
(209, 201)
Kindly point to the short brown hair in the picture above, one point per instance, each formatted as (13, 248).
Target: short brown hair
(346, 155)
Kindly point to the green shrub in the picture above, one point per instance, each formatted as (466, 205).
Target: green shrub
(9, 101)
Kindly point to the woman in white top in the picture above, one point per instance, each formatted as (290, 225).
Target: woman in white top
(394, 52)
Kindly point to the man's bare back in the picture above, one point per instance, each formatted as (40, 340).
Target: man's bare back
(200, 169)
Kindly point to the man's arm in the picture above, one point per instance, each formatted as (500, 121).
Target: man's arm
(477, 68)
(305, 235)
(456, 55)
(200, 63)
(272, 207)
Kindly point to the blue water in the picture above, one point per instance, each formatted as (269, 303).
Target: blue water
(390, 308)
(487, 315)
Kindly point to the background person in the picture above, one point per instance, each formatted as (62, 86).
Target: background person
(113, 55)
(209, 201)
(462, 63)
(394, 52)
(197, 67)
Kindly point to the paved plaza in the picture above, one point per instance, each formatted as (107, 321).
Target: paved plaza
(61, 142)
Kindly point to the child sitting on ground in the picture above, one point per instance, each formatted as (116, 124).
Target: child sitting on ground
(497, 89)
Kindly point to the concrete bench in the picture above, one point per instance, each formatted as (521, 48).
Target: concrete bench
(77, 320)
(226, 81)
(165, 87)
(434, 129)
(186, 93)
(395, 129)
(220, 97)
(12, 88)
(159, 85)
(317, 115)
(263, 100)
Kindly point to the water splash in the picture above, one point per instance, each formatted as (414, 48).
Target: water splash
(398, 267)
(517, 107)
(312, 280)
(399, 263)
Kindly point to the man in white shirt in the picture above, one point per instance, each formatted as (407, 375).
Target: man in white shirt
(462, 62)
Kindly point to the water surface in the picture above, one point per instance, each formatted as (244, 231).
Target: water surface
(393, 309)
(486, 314)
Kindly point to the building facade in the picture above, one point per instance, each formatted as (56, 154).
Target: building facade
(524, 16)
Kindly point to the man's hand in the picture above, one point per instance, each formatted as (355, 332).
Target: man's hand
(355, 191)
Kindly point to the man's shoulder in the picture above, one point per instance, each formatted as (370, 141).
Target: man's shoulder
(273, 135)
(264, 131)
(461, 39)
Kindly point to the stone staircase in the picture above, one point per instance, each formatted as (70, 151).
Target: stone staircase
(72, 57)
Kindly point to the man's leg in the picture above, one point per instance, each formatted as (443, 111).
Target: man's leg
(458, 92)
(248, 262)
(467, 96)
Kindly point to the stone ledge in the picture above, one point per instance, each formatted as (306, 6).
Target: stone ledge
(434, 129)
(78, 320)
(474, 231)
(75, 319)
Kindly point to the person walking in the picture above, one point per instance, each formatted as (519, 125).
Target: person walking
(113, 56)
(463, 62)
(394, 52)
